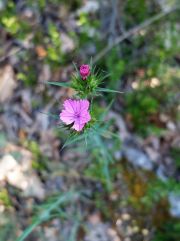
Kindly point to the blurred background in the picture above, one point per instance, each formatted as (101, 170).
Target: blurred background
(121, 188)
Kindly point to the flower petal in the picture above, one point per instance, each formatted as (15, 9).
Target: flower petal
(66, 117)
(84, 71)
(78, 126)
(84, 105)
(69, 105)
(85, 117)
(75, 111)
(77, 106)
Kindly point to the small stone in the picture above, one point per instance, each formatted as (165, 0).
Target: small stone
(135, 229)
(174, 200)
(119, 222)
(171, 126)
(145, 232)
(118, 155)
(161, 173)
(129, 230)
(137, 157)
(125, 216)
(21, 176)
(164, 118)
(152, 153)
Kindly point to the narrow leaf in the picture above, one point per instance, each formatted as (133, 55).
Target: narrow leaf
(66, 197)
(109, 90)
(61, 84)
(75, 66)
(73, 139)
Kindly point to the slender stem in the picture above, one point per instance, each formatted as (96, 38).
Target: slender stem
(92, 98)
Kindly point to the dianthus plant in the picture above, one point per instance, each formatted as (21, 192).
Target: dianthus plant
(77, 112)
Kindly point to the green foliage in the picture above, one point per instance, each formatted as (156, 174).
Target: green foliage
(54, 53)
(13, 23)
(60, 84)
(4, 198)
(169, 231)
(86, 88)
(144, 104)
(135, 14)
(7, 226)
(116, 68)
(158, 189)
(175, 153)
(47, 43)
(141, 105)
(89, 26)
(50, 210)
(39, 162)
(10, 21)
(101, 166)
(28, 74)
(149, 50)
(94, 140)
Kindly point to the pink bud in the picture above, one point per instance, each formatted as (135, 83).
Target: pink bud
(84, 71)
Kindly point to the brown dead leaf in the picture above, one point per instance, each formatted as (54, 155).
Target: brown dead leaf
(41, 52)
(7, 83)
(22, 135)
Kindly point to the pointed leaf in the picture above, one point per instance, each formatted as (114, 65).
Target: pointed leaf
(75, 66)
(61, 84)
(108, 90)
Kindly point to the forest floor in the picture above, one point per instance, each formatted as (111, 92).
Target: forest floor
(36, 172)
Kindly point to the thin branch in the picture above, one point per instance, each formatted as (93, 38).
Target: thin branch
(134, 31)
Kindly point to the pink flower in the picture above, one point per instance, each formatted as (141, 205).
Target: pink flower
(84, 71)
(76, 112)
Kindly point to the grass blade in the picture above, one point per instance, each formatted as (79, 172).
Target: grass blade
(61, 84)
(44, 216)
(108, 90)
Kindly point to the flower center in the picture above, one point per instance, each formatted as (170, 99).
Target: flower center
(77, 115)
